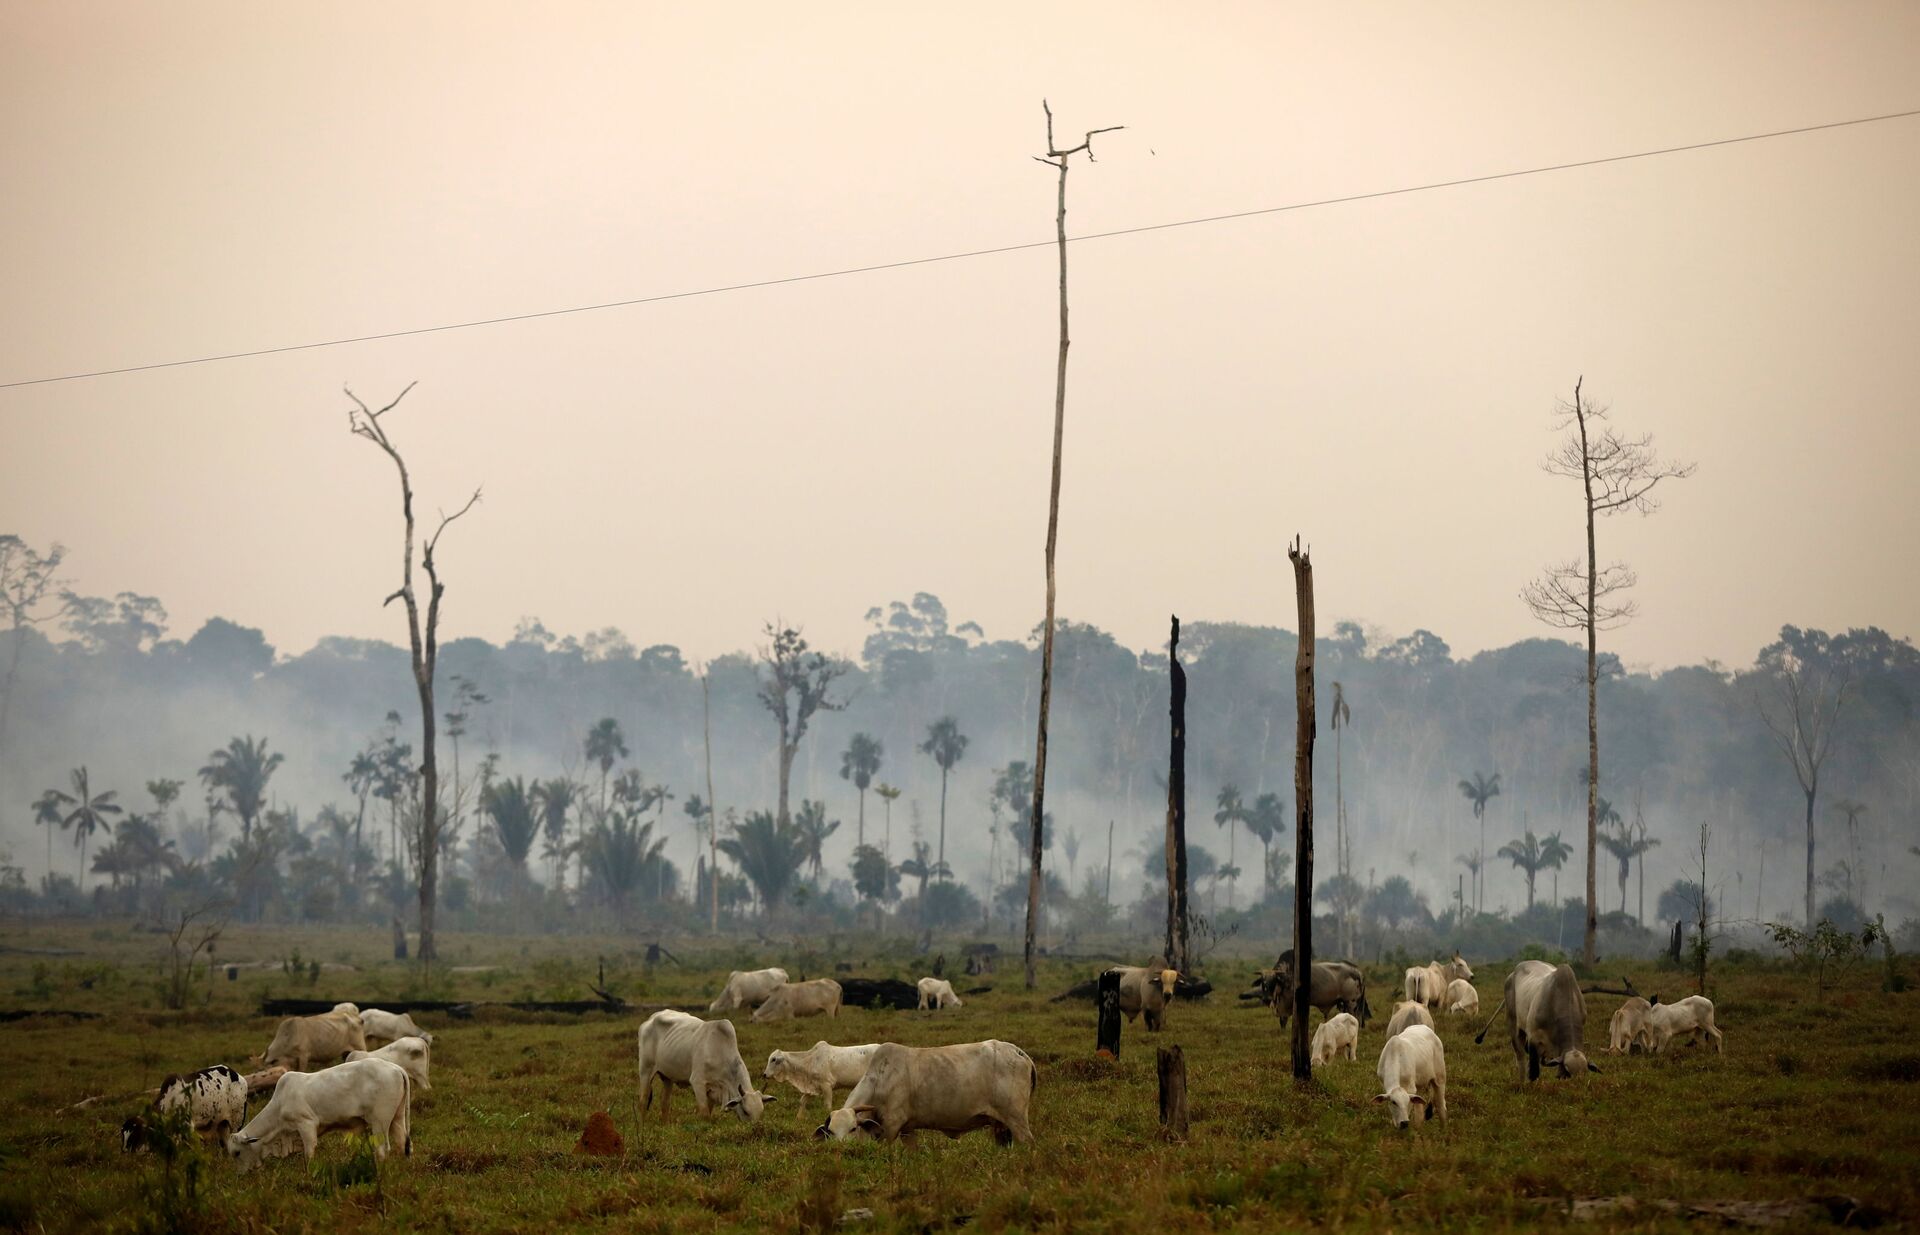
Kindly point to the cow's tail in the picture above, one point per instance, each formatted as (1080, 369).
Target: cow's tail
(1482, 1035)
(402, 1125)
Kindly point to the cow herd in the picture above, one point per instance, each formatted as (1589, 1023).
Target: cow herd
(894, 1090)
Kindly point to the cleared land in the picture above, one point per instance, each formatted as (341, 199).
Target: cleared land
(1813, 1098)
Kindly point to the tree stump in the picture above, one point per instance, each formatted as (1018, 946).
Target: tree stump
(399, 939)
(1108, 997)
(1171, 1063)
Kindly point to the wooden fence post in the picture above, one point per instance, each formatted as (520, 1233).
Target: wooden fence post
(1304, 729)
(1108, 998)
(1171, 1063)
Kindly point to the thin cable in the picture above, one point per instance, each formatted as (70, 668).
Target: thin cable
(971, 253)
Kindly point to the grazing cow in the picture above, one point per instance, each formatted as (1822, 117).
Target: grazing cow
(413, 1054)
(1627, 1031)
(368, 1095)
(704, 1056)
(352, 1008)
(817, 1072)
(303, 1041)
(939, 991)
(215, 1100)
(1461, 997)
(1339, 1032)
(1336, 986)
(1414, 984)
(1546, 1018)
(391, 1026)
(748, 989)
(1147, 990)
(1434, 988)
(950, 1089)
(1692, 1018)
(1413, 1070)
(1407, 1014)
(794, 999)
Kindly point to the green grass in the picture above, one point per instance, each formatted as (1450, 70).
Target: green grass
(1812, 1098)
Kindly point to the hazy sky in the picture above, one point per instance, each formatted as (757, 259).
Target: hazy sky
(189, 179)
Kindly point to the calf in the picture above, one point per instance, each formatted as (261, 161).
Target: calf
(1406, 1015)
(1339, 1032)
(1627, 1030)
(1461, 997)
(704, 1056)
(817, 1072)
(939, 992)
(413, 1054)
(748, 989)
(302, 1041)
(368, 1095)
(214, 1099)
(1413, 1072)
(1691, 1017)
(391, 1026)
(795, 999)
(950, 1089)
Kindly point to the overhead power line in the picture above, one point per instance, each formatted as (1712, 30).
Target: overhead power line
(969, 253)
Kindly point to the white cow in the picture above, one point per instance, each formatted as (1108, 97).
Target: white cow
(1434, 988)
(1692, 1017)
(939, 992)
(1628, 1027)
(369, 1095)
(817, 1072)
(1406, 1014)
(1413, 1070)
(391, 1026)
(300, 1042)
(1339, 1032)
(215, 1100)
(1461, 997)
(792, 999)
(1546, 1019)
(748, 989)
(413, 1054)
(704, 1056)
(1414, 984)
(950, 1089)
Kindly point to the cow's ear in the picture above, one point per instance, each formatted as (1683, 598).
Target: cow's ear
(1591, 1066)
(731, 1104)
(863, 1111)
(1416, 1098)
(820, 1133)
(1379, 1097)
(871, 1126)
(768, 1097)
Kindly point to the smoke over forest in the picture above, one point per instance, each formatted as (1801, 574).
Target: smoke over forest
(111, 688)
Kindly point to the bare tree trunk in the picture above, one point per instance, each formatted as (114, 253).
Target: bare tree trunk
(1177, 808)
(786, 773)
(943, 798)
(1588, 950)
(713, 807)
(1305, 729)
(1107, 897)
(1810, 907)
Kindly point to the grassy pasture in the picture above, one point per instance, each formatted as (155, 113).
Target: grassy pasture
(1811, 1099)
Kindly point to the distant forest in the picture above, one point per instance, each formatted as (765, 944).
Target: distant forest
(106, 687)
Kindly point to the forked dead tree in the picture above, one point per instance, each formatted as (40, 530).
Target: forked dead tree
(423, 636)
(1177, 935)
(1617, 475)
(1060, 159)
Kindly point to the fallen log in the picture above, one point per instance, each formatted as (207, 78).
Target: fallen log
(21, 1014)
(1183, 988)
(265, 1079)
(879, 993)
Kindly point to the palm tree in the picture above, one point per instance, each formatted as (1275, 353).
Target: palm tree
(515, 815)
(920, 867)
(88, 815)
(555, 798)
(946, 745)
(1533, 855)
(1625, 845)
(1479, 791)
(768, 854)
(361, 777)
(1851, 811)
(48, 810)
(241, 771)
(887, 794)
(1554, 852)
(606, 746)
(858, 763)
(811, 828)
(1229, 815)
(619, 854)
(1267, 819)
(1070, 844)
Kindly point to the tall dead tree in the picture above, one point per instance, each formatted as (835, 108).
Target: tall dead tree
(1177, 937)
(423, 635)
(805, 677)
(1801, 688)
(1305, 729)
(713, 808)
(1060, 159)
(1617, 475)
(30, 593)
